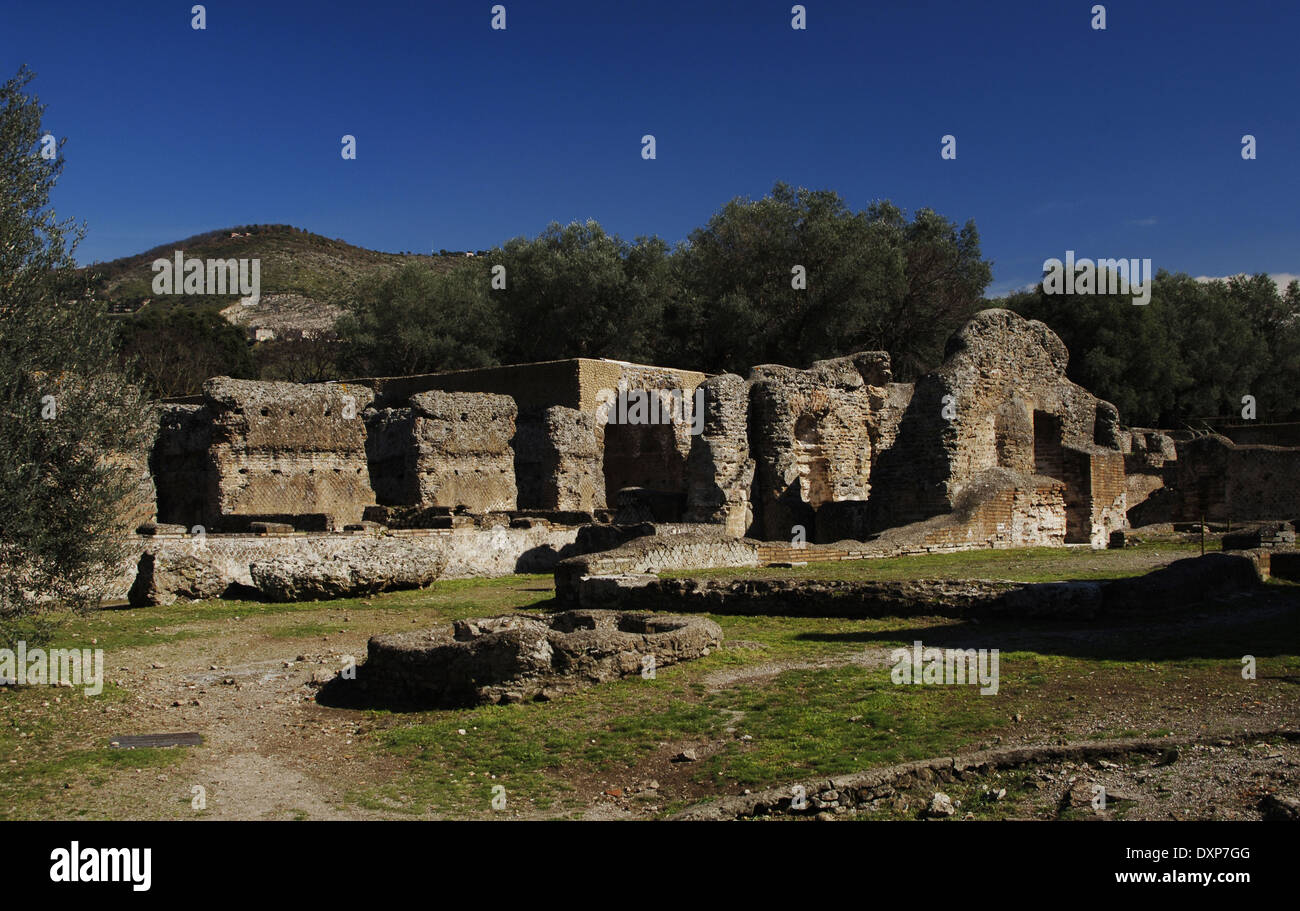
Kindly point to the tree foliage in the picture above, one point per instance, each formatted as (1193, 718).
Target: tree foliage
(874, 280)
(418, 321)
(175, 350)
(72, 427)
(1191, 353)
(722, 301)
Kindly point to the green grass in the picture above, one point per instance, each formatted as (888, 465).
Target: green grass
(44, 754)
(802, 721)
(530, 748)
(117, 628)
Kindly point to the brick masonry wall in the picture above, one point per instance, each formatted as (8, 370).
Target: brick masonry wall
(281, 448)
(461, 442)
(811, 437)
(719, 469)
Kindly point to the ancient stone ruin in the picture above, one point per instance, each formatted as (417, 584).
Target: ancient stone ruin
(500, 467)
(516, 658)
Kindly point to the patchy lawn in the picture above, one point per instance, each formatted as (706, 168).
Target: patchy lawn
(784, 699)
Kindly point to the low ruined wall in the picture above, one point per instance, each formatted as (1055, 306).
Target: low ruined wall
(1182, 583)
(471, 552)
(700, 549)
(870, 789)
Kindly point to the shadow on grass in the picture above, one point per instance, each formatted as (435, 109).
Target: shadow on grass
(1263, 623)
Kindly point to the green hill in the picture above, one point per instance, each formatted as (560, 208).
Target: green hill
(293, 261)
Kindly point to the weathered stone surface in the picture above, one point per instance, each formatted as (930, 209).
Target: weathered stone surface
(558, 461)
(695, 549)
(470, 552)
(881, 783)
(182, 468)
(719, 468)
(646, 450)
(1182, 583)
(164, 579)
(806, 598)
(516, 658)
(284, 448)
(1218, 480)
(160, 528)
(1185, 581)
(611, 591)
(1001, 400)
(366, 567)
(1268, 534)
(811, 436)
(446, 449)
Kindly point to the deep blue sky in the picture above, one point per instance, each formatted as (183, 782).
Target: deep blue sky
(1117, 143)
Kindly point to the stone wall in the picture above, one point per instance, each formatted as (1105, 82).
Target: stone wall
(462, 454)
(999, 400)
(1146, 455)
(838, 449)
(392, 455)
(639, 453)
(182, 468)
(558, 461)
(697, 548)
(1171, 588)
(719, 469)
(811, 435)
(283, 448)
(469, 552)
(1222, 481)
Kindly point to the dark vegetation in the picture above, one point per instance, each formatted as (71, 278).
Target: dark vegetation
(724, 300)
(71, 422)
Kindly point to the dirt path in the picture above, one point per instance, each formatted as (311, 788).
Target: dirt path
(271, 752)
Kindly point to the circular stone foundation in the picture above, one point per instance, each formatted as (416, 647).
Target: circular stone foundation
(519, 657)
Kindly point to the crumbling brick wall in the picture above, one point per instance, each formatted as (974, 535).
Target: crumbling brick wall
(1221, 481)
(558, 461)
(458, 451)
(719, 468)
(1146, 455)
(811, 435)
(999, 400)
(285, 448)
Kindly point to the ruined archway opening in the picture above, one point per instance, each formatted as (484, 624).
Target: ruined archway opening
(646, 456)
(811, 462)
(1049, 458)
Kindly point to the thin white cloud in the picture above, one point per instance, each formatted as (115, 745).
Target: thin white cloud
(1144, 222)
(1281, 279)
(1002, 289)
